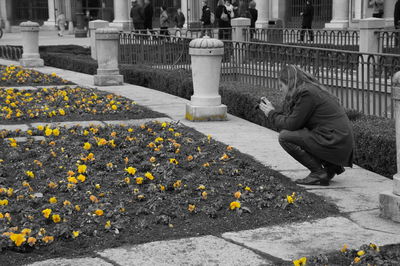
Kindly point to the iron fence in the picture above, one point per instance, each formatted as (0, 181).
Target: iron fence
(10, 52)
(193, 33)
(361, 81)
(333, 39)
(389, 41)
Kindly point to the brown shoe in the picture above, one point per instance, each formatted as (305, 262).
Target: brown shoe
(316, 178)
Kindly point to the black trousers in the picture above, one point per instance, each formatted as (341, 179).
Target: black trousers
(310, 33)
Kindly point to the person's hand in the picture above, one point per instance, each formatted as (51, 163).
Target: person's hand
(266, 106)
(301, 14)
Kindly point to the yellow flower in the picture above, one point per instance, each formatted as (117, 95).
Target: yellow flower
(191, 207)
(131, 170)
(152, 159)
(159, 139)
(81, 178)
(289, 199)
(40, 128)
(114, 107)
(237, 194)
(102, 142)
(4, 202)
(53, 200)
(300, 262)
(30, 174)
(10, 192)
(204, 195)
(66, 203)
(127, 180)
(56, 218)
(70, 186)
(229, 148)
(201, 187)
(357, 260)
(373, 246)
(46, 213)
(32, 241)
(99, 212)
(85, 133)
(87, 146)
(139, 180)
(56, 132)
(48, 239)
(178, 184)
(344, 248)
(77, 207)
(360, 253)
(234, 205)
(97, 186)
(93, 199)
(75, 234)
(48, 132)
(26, 231)
(149, 176)
(224, 157)
(29, 132)
(18, 239)
(82, 168)
(248, 189)
(108, 225)
(162, 188)
(61, 111)
(72, 179)
(173, 161)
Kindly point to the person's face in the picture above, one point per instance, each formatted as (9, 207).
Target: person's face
(283, 87)
(178, 10)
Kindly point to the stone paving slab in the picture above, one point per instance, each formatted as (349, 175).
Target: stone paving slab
(207, 250)
(22, 127)
(293, 241)
(73, 262)
(371, 220)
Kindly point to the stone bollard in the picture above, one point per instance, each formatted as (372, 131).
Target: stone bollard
(30, 44)
(107, 44)
(241, 29)
(205, 105)
(93, 26)
(389, 201)
(369, 42)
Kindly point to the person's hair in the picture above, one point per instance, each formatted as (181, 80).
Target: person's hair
(221, 2)
(296, 80)
(252, 4)
(164, 7)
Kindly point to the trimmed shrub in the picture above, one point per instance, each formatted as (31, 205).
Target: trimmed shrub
(374, 136)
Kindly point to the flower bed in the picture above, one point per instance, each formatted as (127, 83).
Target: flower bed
(18, 76)
(67, 104)
(366, 255)
(83, 189)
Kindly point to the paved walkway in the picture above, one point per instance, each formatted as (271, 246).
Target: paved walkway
(355, 192)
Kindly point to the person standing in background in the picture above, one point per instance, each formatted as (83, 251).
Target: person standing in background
(137, 16)
(61, 20)
(224, 21)
(179, 19)
(164, 22)
(235, 8)
(230, 9)
(242, 9)
(148, 15)
(396, 17)
(252, 14)
(206, 19)
(308, 16)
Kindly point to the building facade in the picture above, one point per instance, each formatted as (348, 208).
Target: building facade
(333, 14)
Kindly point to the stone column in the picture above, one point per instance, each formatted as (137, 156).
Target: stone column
(184, 8)
(93, 26)
(369, 42)
(263, 7)
(340, 18)
(205, 105)
(389, 12)
(4, 16)
(51, 22)
(121, 15)
(30, 44)
(107, 45)
(389, 201)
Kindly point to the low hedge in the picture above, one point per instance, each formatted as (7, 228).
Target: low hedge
(375, 137)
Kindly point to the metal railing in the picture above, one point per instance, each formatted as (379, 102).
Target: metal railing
(10, 52)
(361, 81)
(333, 39)
(389, 41)
(193, 33)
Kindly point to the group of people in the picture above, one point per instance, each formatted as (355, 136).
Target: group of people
(142, 15)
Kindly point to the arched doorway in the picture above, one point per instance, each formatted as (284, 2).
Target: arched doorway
(322, 13)
(99, 9)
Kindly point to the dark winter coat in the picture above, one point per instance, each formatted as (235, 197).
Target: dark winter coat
(148, 16)
(322, 123)
(253, 16)
(308, 16)
(137, 14)
(218, 13)
(397, 15)
(180, 20)
(206, 16)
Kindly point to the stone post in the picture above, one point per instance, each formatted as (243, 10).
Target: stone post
(340, 16)
(205, 105)
(30, 44)
(388, 13)
(93, 26)
(369, 42)
(240, 29)
(389, 201)
(107, 44)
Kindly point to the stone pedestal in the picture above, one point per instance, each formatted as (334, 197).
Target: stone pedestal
(239, 25)
(93, 26)
(107, 40)
(30, 44)
(340, 16)
(205, 105)
(389, 201)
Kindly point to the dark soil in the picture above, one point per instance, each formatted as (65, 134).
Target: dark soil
(67, 104)
(138, 213)
(19, 76)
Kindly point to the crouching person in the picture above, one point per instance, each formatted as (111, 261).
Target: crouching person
(314, 128)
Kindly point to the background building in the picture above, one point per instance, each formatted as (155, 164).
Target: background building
(328, 13)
